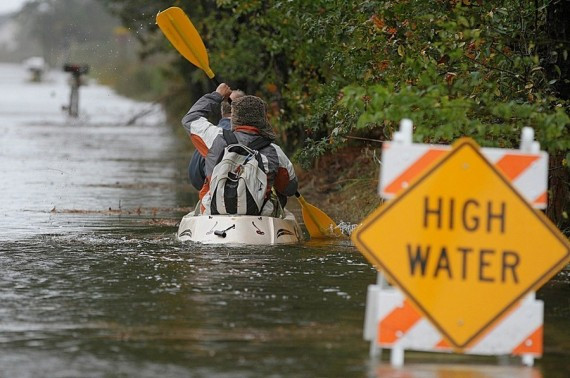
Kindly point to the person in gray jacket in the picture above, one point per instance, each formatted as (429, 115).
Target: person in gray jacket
(249, 122)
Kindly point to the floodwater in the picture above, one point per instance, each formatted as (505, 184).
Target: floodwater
(94, 283)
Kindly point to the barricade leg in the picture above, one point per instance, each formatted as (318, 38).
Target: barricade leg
(527, 359)
(397, 356)
(371, 316)
(371, 320)
(375, 350)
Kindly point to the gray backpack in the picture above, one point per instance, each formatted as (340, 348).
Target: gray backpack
(239, 182)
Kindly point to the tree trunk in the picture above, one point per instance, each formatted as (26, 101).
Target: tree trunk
(558, 14)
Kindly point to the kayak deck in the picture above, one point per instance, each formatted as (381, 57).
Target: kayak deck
(239, 229)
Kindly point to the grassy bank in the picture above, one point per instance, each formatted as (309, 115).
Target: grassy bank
(344, 184)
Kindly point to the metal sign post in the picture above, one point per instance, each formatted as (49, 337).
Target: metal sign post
(76, 71)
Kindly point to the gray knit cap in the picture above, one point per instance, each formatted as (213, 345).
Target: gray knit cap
(252, 111)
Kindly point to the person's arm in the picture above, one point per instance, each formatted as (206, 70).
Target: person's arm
(201, 131)
(286, 182)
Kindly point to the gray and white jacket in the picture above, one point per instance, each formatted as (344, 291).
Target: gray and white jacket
(210, 143)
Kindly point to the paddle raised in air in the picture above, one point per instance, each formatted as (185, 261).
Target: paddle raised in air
(179, 30)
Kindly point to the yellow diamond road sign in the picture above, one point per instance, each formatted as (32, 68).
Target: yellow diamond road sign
(462, 244)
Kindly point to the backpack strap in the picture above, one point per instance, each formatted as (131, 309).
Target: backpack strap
(229, 137)
(259, 143)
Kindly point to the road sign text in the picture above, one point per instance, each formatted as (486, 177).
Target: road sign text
(471, 214)
(425, 261)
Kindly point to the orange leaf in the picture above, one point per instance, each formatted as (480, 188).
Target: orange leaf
(383, 65)
(378, 22)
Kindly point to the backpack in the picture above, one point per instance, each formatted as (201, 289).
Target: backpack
(239, 183)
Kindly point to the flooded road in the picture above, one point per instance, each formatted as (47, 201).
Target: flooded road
(95, 284)
(51, 163)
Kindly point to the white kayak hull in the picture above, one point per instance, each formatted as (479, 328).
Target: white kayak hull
(239, 229)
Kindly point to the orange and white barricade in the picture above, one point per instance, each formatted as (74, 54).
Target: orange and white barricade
(526, 168)
(391, 321)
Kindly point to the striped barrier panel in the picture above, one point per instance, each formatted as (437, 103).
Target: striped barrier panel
(392, 322)
(402, 163)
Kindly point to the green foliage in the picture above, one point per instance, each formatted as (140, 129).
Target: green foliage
(334, 68)
(457, 70)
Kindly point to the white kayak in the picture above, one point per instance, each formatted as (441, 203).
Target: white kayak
(239, 229)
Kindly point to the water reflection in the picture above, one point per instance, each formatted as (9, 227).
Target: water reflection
(205, 308)
(453, 371)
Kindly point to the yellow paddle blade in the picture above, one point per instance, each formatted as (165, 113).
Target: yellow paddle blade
(180, 31)
(317, 222)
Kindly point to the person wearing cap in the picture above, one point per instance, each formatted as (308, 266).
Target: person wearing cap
(249, 121)
(196, 173)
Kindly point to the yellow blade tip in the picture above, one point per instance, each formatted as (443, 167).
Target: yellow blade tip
(209, 72)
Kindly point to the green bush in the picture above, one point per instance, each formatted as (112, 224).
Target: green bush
(462, 71)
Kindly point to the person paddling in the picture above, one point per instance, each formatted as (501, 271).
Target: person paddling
(249, 123)
(196, 173)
